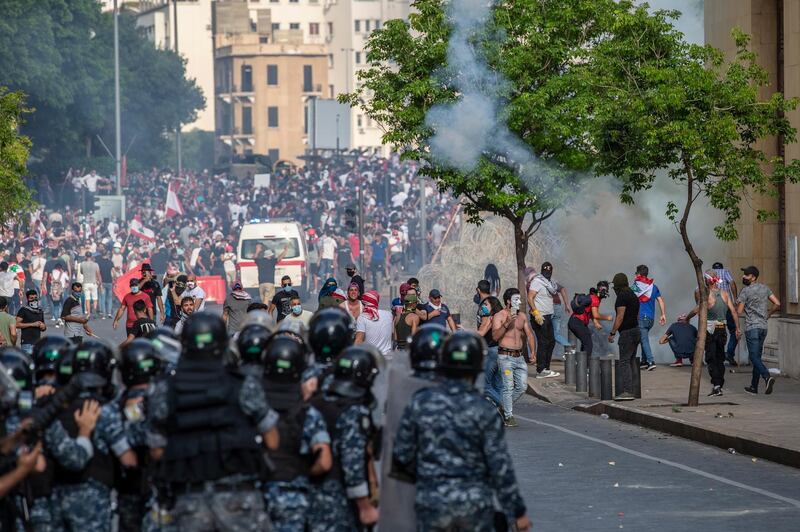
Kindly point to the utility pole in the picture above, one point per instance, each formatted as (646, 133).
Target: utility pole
(423, 222)
(178, 130)
(117, 118)
(361, 249)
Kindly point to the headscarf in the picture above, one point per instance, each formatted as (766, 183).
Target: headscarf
(239, 293)
(328, 288)
(371, 299)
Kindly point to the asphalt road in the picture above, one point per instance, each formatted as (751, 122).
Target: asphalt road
(583, 472)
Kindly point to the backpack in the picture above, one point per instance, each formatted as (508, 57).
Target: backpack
(580, 303)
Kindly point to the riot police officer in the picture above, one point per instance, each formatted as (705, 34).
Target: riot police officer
(251, 342)
(450, 442)
(342, 499)
(140, 365)
(304, 449)
(209, 426)
(330, 331)
(425, 348)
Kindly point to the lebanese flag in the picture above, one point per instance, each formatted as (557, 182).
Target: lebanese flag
(122, 285)
(643, 287)
(174, 206)
(137, 229)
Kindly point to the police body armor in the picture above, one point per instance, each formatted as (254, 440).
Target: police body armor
(287, 400)
(209, 437)
(331, 407)
(100, 466)
(133, 480)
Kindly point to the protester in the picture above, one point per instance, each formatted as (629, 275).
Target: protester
(353, 305)
(196, 292)
(9, 284)
(76, 323)
(561, 308)
(436, 311)
(143, 325)
(89, 275)
(298, 313)
(107, 278)
(487, 308)
(627, 323)
(326, 294)
(406, 323)
(150, 286)
(354, 277)
(56, 284)
(682, 339)
(378, 259)
(541, 291)
(30, 322)
(282, 300)
(374, 325)
(126, 306)
(234, 308)
(187, 308)
(266, 261)
(728, 284)
(753, 303)
(8, 325)
(648, 294)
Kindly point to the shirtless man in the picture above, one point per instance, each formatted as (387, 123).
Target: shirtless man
(353, 304)
(510, 329)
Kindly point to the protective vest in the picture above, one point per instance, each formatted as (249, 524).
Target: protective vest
(331, 407)
(208, 435)
(287, 400)
(133, 480)
(100, 466)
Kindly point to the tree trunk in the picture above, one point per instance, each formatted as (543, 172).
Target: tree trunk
(521, 251)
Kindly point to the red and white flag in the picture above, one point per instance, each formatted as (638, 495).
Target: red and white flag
(139, 230)
(174, 206)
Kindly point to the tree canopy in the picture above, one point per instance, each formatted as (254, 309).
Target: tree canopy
(13, 156)
(61, 54)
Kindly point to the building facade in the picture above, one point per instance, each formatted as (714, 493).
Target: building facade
(771, 246)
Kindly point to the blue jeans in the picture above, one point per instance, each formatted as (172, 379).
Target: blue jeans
(493, 387)
(645, 324)
(514, 375)
(106, 298)
(57, 306)
(558, 322)
(730, 350)
(755, 348)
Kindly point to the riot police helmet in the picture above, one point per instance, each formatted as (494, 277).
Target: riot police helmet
(204, 336)
(167, 345)
(93, 363)
(426, 344)
(462, 355)
(140, 362)
(284, 360)
(251, 343)
(47, 354)
(19, 367)
(329, 333)
(355, 371)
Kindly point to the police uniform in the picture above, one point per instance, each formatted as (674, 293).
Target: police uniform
(451, 440)
(132, 483)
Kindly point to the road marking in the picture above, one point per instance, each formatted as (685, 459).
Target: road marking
(676, 465)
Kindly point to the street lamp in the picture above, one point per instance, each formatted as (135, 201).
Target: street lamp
(117, 119)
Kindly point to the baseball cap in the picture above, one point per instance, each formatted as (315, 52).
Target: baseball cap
(434, 293)
(717, 266)
(133, 282)
(751, 270)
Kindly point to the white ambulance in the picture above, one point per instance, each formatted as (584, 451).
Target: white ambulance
(274, 235)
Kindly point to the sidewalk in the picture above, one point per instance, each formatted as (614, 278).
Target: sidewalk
(765, 426)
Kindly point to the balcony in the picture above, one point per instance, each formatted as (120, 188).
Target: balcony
(311, 89)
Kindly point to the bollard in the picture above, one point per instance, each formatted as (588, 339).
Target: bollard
(569, 367)
(617, 378)
(636, 377)
(581, 370)
(594, 377)
(605, 378)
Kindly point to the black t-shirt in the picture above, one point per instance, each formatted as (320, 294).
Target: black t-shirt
(105, 266)
(626, 298)
(153, 289)
(69, 304)
(266, 269)
(50, 265)
(30, 335)
(143, 326)
(283, 302)
(159, 261)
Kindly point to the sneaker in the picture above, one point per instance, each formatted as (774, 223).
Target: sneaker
(543, 375)
(716, 391)
(625, 396)
(552, 373)
(677, 364)
(510, 422)
(770, 385)
(651, 366)
(751, 390)
(643, 364)
(732, 362)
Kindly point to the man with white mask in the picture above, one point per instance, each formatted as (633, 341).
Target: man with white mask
(510, 329)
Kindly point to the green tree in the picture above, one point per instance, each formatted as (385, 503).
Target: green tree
(683, 108)
(13, 156)
(526, 62)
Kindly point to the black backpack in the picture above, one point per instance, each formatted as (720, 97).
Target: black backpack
(580, 303)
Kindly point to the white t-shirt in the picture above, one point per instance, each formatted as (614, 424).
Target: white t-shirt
(398, 199)
(544, 298)
(328, 248)
(37, 267)
(196, 293)
(377, 333)
(304, 318)
(8, 283)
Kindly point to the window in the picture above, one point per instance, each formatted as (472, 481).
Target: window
(272, 116)
(308, 78)
(330, 29)
(359, 120)
(358, 58)
(366, 25)
(273, 244)
(276, 26)
(247, 78)
(330, 60)
(274, 1)
(377, 23)
(357, 25)
(313, 28)
(247, 120)
(263, 40)
(275, 156)
(330, 90)
(272, 74)
(292, 1)
(294, 25)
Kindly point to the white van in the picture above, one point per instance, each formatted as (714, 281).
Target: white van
(274, 235)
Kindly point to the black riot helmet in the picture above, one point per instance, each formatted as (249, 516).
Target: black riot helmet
(18, 366)
(251, 343)
(93, 363)
(140, 362)
(47, 354)
(426, 345)
(462, 355)
(204, 336)
(167, 345)
(355, 370)
(284, 360)
(64, 372)
(329, 332)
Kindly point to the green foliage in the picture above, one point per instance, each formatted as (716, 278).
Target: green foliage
(13, 156)
(61, 53)
(197, 150)
(536, 47)
(682, 107)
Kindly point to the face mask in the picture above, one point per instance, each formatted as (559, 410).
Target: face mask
(746, 281)
(602, 293)
(547, 274)
(76, 295)
(190, 285)
(297, 310)
(516, 301)
(134, 289)
(34, 304)
(287, 287)
(351, 273)
(485, 311)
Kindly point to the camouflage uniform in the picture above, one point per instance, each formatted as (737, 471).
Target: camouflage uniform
(288, 502)
(131, 506)
(228, 510)
(331, 508)
(87, 506)
(452, 441)
(315, 370)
